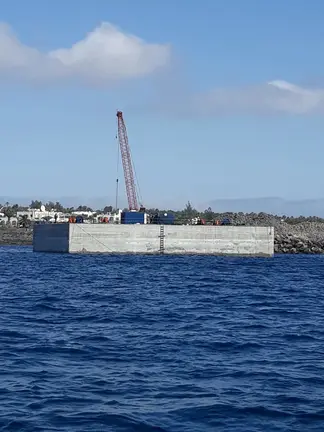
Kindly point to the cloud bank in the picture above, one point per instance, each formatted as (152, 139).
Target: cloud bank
(277, 96)
(105, 55)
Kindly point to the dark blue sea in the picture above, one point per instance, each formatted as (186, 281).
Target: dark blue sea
(131, 343)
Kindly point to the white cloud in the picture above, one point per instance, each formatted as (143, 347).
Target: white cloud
(277, 97)
(294, 99)
(104, 55)
(273, 97)
(107, 55)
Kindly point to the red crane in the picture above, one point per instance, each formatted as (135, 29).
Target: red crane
(127, 163)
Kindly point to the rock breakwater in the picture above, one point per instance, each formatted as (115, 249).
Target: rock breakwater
(302, 235)
(292, 244)
(13, 236)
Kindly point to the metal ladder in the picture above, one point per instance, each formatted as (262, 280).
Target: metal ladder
(162, 237)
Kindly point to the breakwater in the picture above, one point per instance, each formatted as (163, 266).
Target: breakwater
(292, 236)
(303, 235)
(13, 236)
(154, 239)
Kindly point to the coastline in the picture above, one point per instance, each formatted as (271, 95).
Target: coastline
(305, 237)
(13, 236)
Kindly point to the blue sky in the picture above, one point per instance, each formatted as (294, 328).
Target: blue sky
(202, 119)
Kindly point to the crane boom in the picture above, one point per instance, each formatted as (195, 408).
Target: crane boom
(127, 163)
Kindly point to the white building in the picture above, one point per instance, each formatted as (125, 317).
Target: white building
(38, 215)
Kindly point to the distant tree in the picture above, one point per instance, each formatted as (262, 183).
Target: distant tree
(209, 215)
(58, 207)
(36, 204)
(9, 212)
(153, 211)
(108, 209)
(84, 208)
(49, 206)
(189, 212)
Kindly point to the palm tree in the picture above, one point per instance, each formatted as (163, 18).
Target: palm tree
(24, 221)
(9, 212)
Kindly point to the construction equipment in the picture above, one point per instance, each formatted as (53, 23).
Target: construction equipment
(131, 190)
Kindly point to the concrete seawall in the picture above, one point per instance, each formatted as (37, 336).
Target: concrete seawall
(154, 239)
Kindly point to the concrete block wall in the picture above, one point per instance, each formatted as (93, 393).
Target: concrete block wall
(169, 239)
(110, 238)
(220, 240)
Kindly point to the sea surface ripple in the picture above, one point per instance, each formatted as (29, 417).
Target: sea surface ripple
(131, 343)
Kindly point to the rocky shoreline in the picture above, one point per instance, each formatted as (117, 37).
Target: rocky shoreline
(13, 236)
(292, 236)
(302, 235)
(291, 244)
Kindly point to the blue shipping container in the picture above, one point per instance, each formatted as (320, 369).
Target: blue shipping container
(132, 217)
(166, 219)
(127, 213)
(140, 217)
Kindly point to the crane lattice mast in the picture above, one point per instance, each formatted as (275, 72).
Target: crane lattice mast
(127, 163)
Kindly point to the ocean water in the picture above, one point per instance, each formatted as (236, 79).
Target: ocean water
(130, 343)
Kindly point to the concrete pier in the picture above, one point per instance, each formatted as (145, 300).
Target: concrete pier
(154, 239)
